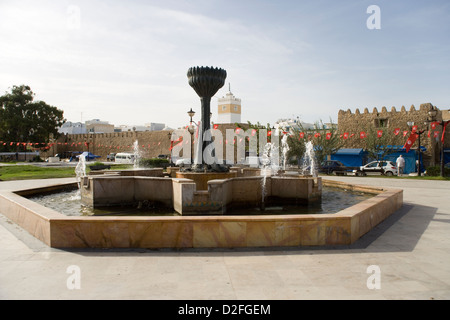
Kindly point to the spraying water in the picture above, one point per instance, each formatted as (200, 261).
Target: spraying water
(269, 166)
(137, 155)
(309, 161)
(80, 172)
(284, 149)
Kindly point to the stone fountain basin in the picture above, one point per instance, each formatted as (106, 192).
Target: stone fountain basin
(60, 231)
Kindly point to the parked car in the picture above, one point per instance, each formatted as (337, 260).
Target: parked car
(330, 166)
(88, 156)
(380, 167)
(125, 158)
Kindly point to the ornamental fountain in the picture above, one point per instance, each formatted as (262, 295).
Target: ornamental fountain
(203, 198)
(206, 81)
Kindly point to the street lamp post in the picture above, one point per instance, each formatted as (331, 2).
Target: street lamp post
(419, 133)
(432, 113)
(169, 135)
(191, 114)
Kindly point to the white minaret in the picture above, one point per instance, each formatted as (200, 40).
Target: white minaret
(229, 108)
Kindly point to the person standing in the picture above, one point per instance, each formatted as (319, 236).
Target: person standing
(400, 165)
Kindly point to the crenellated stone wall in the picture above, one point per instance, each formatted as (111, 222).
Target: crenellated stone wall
(389, 120)
(151, 143)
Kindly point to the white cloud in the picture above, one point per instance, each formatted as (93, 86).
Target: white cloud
(127, 61)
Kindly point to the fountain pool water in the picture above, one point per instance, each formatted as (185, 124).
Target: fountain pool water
(68, 203)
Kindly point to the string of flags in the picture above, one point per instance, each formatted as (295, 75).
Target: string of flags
(302, 135)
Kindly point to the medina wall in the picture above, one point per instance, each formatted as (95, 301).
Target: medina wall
(388, 121)
(151, 143)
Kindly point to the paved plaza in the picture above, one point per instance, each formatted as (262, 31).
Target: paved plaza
(405, 257)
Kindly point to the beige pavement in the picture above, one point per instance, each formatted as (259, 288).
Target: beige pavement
(411, 250)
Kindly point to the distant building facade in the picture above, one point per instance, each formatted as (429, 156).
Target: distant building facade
(72, 128)
(97, 126)
(152, 126)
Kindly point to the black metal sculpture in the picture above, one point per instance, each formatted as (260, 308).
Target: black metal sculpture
(206, 81)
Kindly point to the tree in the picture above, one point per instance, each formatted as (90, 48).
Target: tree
(379, 142)
(25, 120)
(325, 139)
(296, 144)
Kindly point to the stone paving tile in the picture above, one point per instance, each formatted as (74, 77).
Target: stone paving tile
(411, 249)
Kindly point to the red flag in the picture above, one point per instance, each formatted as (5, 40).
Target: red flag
(414, 129)
(436, 134)
(216, 126)
(379, 133)
(397, 131)
(345, 135)
(269, 133)
(317, 135)
(412, 138)
(434, 125)
(352, 135)
(302, 135)
(405, 133)
(362, 135)
(328, 136)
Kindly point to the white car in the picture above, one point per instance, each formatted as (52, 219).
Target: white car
(381, 167)
(126, 158)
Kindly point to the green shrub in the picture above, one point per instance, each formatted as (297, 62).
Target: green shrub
(153, 163)
(36, 159)
(435, 171)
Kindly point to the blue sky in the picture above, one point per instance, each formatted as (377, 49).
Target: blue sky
(126, 61)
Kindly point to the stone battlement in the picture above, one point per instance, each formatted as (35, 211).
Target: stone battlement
(425, 107)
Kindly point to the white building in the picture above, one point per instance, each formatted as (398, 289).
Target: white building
(229, 109)
(287, 124)
(73, 128)
(97, 126)
(152, 126)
